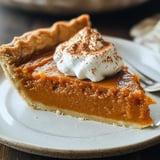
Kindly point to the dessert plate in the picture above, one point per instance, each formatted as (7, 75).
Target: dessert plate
(50, 134)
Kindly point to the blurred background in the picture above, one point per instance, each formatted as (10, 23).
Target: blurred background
(110, 17)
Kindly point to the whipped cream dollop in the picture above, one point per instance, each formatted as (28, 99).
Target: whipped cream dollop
(87, 56)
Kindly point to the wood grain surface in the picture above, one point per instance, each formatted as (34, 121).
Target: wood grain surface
(15, 22)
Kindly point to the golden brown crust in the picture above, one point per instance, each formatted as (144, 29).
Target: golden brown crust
(41, 39)
(29, 43)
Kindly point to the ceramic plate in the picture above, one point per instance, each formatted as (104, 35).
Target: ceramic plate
(45, 133)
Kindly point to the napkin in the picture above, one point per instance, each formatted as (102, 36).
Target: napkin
(147, 32)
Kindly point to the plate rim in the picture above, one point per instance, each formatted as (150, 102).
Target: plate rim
(78, 154)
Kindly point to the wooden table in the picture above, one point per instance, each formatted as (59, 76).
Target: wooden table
(15, 22)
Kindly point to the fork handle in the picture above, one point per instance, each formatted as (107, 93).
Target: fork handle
(153, 88)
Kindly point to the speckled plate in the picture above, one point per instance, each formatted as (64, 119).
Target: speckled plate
(45, 133)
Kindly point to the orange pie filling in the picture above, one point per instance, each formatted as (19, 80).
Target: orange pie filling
(119, 97)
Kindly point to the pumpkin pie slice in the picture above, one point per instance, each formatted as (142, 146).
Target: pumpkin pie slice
(28, 63)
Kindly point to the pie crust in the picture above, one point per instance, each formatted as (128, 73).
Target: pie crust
(27, 62)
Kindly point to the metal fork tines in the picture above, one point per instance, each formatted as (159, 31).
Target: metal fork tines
(149, 84)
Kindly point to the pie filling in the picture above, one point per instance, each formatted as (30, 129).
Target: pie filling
(119, 97)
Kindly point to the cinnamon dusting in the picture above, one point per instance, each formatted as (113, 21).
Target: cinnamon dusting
(87, 41)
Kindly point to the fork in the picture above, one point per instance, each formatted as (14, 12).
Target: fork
(149, 84)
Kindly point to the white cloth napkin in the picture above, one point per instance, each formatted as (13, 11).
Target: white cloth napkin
(147, 33)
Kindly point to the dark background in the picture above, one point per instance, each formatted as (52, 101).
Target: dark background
(118, 23)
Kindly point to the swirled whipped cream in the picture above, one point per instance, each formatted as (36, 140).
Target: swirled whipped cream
(87, 56)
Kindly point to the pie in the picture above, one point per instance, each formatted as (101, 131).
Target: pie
(27, 62)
